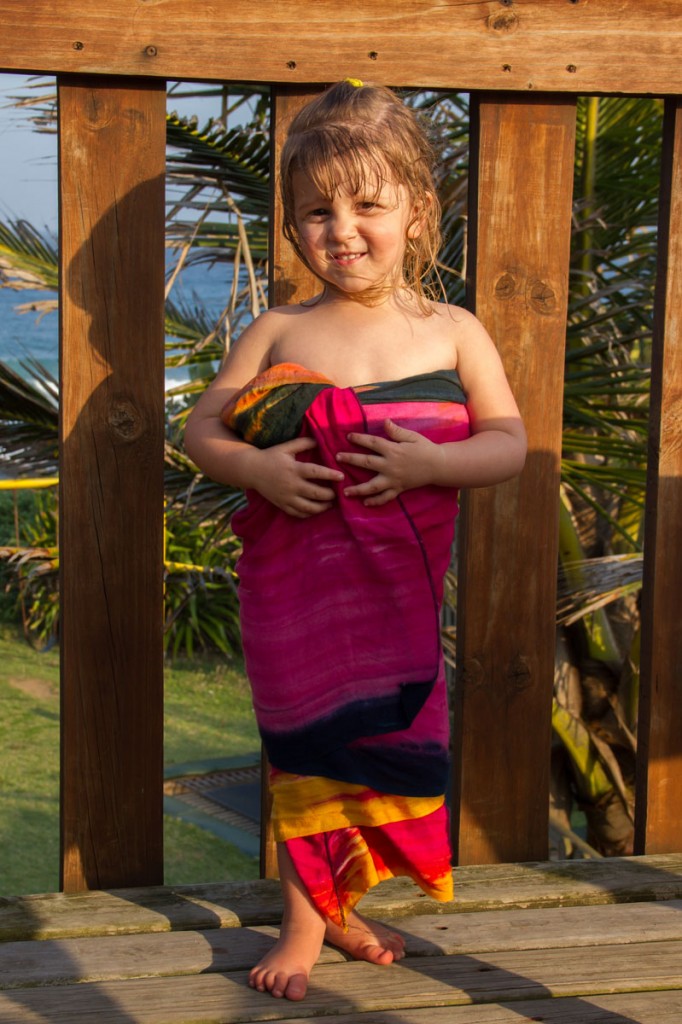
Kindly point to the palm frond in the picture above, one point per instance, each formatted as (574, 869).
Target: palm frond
(28, 259)
(599, 582)
(238, 158)
(28, 419)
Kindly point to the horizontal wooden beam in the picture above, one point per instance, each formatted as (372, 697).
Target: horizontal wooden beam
(576, 46)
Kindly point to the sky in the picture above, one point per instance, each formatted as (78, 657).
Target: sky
(28, 164)
(28, 159)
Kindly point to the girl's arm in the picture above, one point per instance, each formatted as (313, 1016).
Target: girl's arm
(496, 450)
(299, 488)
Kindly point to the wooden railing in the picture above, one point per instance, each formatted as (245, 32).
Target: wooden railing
(524, 62)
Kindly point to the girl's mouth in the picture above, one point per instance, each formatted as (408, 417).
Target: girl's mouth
(345, 259)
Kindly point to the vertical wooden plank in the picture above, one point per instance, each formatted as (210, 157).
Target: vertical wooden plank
(658, 824)
(521, 188)
(111, 170)
(289, 281)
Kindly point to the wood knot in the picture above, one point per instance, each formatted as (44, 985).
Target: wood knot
(503, 21)
(473, 675)
(505, 286)
(541, 297)
(124, 420)
(519, 673)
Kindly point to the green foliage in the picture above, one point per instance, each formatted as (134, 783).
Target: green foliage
(201, 611)
(218, 208)
(208, 714)
(201, 605)
(29, 769)
(217, 211)
(208, 710)
(610, 319)
(15, 508)
(28, 259)
(30, 567)
(218, 181)
(29, 409)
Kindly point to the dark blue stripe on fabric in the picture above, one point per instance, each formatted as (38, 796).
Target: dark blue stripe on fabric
(386, 769)
(326, 747)
(360, 718)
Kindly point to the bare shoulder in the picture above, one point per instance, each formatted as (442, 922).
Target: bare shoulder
(458, 320)
(248, 356)
(250, 353)
(259, 344)
(480, 367)
(464, 332)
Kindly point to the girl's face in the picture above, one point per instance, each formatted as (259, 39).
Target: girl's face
(354, 241)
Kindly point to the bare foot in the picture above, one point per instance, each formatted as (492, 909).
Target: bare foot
(366, 940)
(285, 969)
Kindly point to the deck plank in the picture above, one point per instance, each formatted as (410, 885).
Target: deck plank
(645, 1008)
(106, 958)
(231, 905)
(417, 982)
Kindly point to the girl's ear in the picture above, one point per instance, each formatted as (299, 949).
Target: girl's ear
(419, 215)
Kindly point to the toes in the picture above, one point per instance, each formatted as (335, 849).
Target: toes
(367, 940)
(396, 943)
(264, 980)
(297, 987)
(279, 983)
(276, 984)
(377, 954)
(256, 980)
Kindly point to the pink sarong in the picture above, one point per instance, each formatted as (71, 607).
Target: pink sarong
(341, 630)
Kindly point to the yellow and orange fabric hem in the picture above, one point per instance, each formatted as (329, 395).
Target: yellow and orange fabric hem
(344, 839)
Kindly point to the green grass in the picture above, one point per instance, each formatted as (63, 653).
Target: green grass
(208, 715)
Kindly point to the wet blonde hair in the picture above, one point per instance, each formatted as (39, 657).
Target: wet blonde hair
(361, 136)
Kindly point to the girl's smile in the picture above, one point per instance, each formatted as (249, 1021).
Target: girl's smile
(354, 241)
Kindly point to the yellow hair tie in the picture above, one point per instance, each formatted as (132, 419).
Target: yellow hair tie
(355, 82)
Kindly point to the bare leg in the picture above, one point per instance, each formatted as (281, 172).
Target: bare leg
(285, 969)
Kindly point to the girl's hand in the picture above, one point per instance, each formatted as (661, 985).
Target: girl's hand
(294, 487)
(400, 462)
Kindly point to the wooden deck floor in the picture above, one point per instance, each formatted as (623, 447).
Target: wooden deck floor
(591, 942)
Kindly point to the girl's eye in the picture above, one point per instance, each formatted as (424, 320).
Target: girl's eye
(368, 204)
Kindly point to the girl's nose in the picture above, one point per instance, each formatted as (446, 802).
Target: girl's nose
(341, 226)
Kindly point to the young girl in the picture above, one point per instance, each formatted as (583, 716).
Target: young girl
(350, 420)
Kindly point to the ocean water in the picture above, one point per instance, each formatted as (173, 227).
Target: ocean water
(28, 189)
(30, 335)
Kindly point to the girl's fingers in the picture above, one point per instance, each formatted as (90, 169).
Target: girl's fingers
(372, 498)
(318, 494)
(365, 461)
(370, 488)
(377, 443)
(312, 508)
(398, 433)
(299, 444)
(368, 441)
(312, 471)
